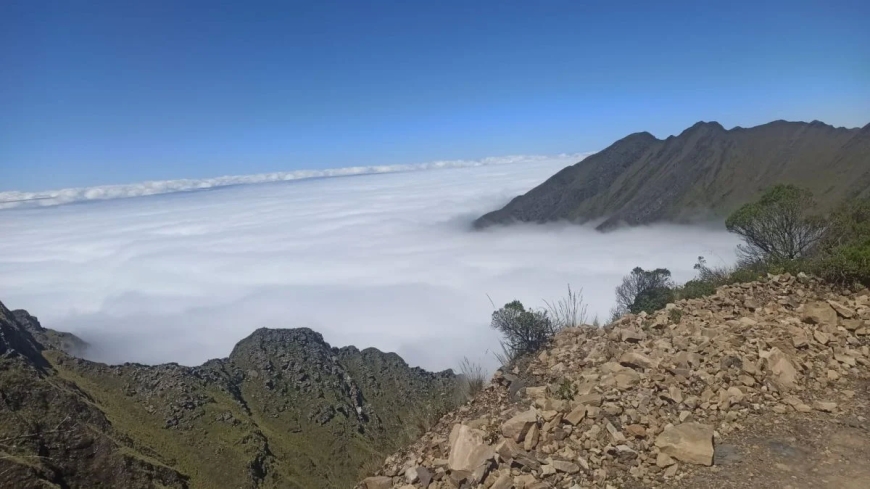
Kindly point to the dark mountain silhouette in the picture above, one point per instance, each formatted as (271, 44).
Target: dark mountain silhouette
(704, 173)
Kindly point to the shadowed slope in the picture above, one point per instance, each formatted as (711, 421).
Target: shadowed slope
(705, 172)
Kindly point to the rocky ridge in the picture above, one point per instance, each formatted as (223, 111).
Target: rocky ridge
(284, 409)
(703, 173)
(761, 385)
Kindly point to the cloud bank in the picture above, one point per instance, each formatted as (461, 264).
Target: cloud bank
(13, 199)
(383, 260)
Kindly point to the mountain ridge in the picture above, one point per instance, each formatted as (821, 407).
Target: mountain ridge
(704, 172)
(283, 409)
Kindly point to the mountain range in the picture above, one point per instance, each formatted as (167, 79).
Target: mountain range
(284, 409)
(704, 173)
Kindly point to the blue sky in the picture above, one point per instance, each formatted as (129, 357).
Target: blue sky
(110, 92)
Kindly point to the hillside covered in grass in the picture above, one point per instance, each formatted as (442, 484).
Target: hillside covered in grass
(284, 410)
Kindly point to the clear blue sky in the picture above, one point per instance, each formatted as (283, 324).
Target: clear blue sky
(122, 91)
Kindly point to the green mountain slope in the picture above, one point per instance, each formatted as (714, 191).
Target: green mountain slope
(283, 410)
(703, 173)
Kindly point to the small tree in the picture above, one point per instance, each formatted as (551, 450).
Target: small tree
(643, 290)
(525, 331)
(779, 226)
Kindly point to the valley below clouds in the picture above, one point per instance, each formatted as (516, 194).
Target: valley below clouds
(385, 260)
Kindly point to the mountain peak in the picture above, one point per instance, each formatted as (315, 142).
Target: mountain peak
(703, 173)
(702, 126)
(285, 335)
(16, 340)
(284, 410)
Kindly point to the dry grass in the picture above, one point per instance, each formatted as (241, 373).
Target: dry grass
(473, 378)
(569, 311)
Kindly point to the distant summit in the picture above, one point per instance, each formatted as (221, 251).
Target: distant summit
(705, 172)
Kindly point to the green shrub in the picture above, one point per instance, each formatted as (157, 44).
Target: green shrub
(643, 290)
(566, 390)
(781, 225)
(843, 255)
(847, 265)
(847, 225)
(781, 234)
(675, 315)
(652, 299)
(525, 331)
(694, 289)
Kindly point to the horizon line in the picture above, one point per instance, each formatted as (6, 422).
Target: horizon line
(16, 199)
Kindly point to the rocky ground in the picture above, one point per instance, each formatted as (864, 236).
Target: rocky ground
(763, 385)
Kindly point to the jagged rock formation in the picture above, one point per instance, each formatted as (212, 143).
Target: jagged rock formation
(49, 338)
(283, 410)
(760, 385)
(705, 172)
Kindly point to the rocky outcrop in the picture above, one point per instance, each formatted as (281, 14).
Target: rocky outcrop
(49, 338)
(51, 435)
(703, 173)
(285, 409)
(662, 400)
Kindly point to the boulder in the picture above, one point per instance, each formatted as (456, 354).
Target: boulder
(565, 466)
(821, 337)
(419, 475)
(626, 379)
(531, 439)
(508, 449)
(799, 338)
(589, 399)
(632, 335)
(783, 373)
(828, 407)
(517, 427)
(688, 442)
(468, 449)
(819, 313)
(379, 482)
(842, 310)
(853, 324)
(664, 460)
(637, 360)
(577, 415)
(504, 481)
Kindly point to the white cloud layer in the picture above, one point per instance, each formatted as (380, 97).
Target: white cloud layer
(15, 198)
(382, 260)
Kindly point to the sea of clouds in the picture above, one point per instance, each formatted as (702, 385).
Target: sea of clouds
(16, 199)
(385, 260)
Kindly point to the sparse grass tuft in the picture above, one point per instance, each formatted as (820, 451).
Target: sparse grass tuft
(473, 378)
(566, 390)
(568, 311)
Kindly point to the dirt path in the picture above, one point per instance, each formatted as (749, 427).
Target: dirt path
(798, 451)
